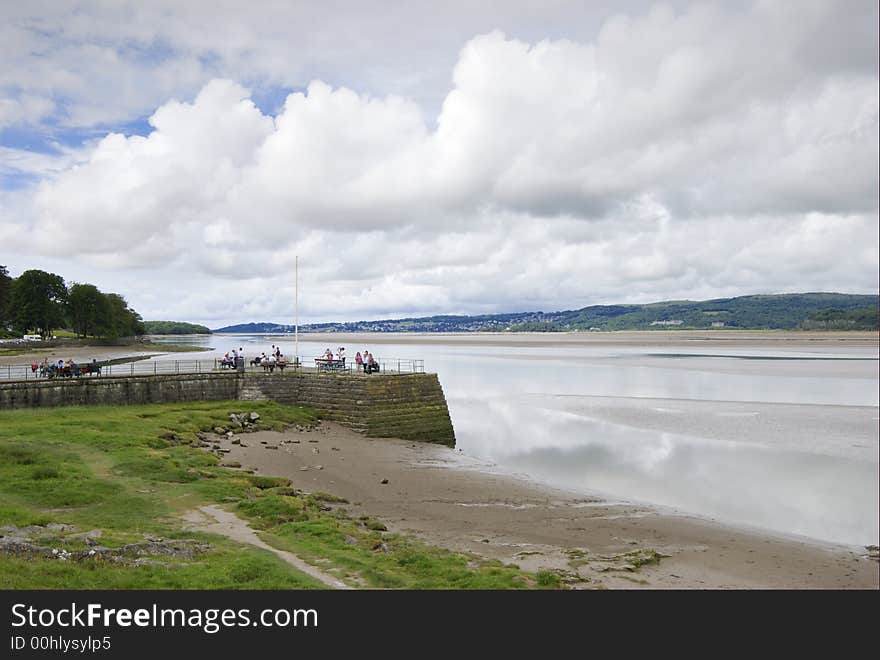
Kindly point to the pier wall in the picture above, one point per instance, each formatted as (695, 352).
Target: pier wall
(408, 406)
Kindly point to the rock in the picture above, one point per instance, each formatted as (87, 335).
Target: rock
(236, 441)
(303, 468)
(334, 448)
(230, 464)
(271, 447)
(143, 561)
(319, 467)
(264, 442)
(254, 416)
(381, 547)
(229, 434)
(350, 540)
(315, 450)
(384, 481)
(91, 534)
(219, 430)
(201, 436)
(288, 491)
(294, 442)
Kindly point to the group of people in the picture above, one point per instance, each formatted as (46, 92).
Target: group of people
(232, 361)
(340, 354)
(65, 367)
(366, 362)
(275, 356)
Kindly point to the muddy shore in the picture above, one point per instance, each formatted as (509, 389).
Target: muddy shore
(458, 502)
(83, 353)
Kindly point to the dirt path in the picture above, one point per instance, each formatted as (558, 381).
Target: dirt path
(219, 521)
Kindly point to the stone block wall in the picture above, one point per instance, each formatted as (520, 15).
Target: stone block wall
(117, 390)
(408, 406)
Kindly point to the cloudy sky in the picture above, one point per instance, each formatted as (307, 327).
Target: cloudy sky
(427, 157)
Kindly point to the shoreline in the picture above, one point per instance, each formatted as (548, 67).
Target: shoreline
(720, 338)
(460, 503)
(87, 353)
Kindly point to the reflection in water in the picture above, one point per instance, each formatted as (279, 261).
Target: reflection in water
(816, 495)
(754, 460)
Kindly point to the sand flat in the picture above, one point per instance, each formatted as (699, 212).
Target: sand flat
(77, 353)
(464, 504)
(690, 338)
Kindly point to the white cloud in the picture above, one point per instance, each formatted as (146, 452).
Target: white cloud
(677, 154)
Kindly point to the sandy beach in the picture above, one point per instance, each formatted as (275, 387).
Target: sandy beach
(461, 503)
(688, 338)
(79, 353)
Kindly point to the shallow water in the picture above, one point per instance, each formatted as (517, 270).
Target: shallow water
(775, 437)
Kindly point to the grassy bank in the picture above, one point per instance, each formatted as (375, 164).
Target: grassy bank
(173, 348)
(111, 477)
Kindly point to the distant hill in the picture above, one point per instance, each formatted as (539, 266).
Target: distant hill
(174, 328)
(769, 312)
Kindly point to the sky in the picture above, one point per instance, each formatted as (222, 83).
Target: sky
(428, 158)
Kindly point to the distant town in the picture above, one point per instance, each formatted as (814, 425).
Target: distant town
(806, 311)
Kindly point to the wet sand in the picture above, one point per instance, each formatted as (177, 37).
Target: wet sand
(461, 503)
(77, 353)
(689, 338)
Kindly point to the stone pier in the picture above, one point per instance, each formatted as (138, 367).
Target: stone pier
(408, 406)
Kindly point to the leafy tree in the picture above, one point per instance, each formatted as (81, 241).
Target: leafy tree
(37, 301)
(174, 328)
(5, 286)
(89, 310)
(865, 318)
(123, 321)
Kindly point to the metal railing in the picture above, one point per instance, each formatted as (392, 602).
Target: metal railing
(393, 366)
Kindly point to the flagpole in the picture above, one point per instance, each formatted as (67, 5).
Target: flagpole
(296, 312)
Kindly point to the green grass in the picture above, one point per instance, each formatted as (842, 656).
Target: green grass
(132, 470)
(107, 468)
(64, 334)
(367, 555)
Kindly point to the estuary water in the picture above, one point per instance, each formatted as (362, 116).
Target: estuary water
(776, 435)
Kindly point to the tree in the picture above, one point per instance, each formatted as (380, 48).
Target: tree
(37, 301)
(124, 321)
(5, 287)
(89, 310)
